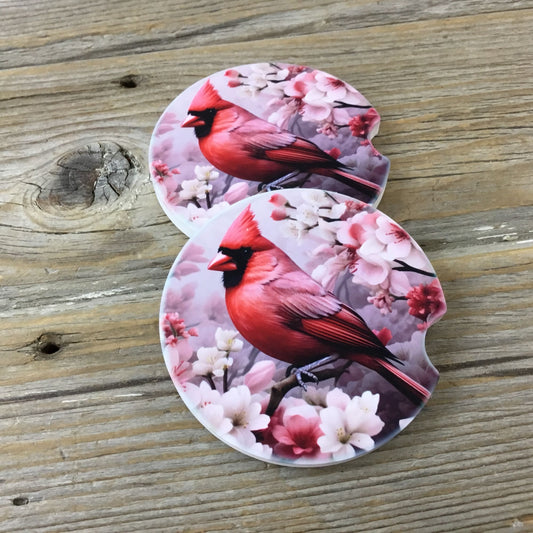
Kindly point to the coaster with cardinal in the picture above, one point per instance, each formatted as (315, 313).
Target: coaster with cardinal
(263, 127)
(293, 326)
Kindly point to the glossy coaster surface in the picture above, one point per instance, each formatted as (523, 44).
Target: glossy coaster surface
(263, 126)
(308, 280)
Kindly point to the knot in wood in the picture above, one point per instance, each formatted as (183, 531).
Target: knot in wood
(97, 173)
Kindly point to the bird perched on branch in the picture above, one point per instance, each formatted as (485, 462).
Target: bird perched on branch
(245, 146)
(287, 315)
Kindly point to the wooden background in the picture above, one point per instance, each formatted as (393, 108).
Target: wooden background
(93, 435)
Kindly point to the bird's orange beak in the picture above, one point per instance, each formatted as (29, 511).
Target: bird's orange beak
(222, 262)
(192, 121)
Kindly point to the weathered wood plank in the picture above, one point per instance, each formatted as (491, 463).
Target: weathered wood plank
(92, 433)
(34, 34)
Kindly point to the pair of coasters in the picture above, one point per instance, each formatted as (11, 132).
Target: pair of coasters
(293, 321)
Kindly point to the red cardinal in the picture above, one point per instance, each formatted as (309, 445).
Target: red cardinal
(245, 146)
(286, 314)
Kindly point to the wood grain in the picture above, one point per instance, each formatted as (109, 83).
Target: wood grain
(93, 435)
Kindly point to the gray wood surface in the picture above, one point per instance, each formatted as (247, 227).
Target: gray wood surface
(93, 436)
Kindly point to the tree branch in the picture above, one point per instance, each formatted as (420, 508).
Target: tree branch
(408, 268)
(281, 388)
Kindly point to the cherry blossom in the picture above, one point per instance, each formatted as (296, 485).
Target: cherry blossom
(212, 410)
(236, 192)
(384, 335)
(211, 361)
(396, 242)
(298, 434)
(259, 377)
(178, 355)
(316, 396)
(226, 340)
(332, 88)
(382, 300)
(244, 413)
(194, 189)
(196, 214)
(426, 302)
(174, 326)
(282, 116)
(206, 173)
(167, 123)
(349, 423)
(160, 171)
(364, 126)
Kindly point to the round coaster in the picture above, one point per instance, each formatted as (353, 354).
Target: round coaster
(293, 327)
(263, 126)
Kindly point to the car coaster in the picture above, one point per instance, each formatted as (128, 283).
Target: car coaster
(293, 327)
(261, 127)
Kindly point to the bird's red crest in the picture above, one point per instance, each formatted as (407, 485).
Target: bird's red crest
(207, 97)
(244, 232)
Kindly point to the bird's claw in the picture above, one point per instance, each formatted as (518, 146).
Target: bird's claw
(300, 373)
(269, 187)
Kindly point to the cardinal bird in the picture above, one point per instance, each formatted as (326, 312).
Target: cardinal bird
(287, 315)
(245, 146)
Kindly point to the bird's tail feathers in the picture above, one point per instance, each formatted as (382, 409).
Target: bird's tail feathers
(417, 393)
(362, 184)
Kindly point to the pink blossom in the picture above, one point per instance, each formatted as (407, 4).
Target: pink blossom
(362, 125)
(167, 123)
(278, 200)
(358, 229)
(327, 273)
(234, 78)
(332, 88)
(382, 300)
(334, 152)
(184, 268)
(160, 171)
(397, 241)
(279, 213)
(426, 302)
(236, 192)
(281, 204)
(174, 326)
(352, 208)
(179, 296)
(372, 270)
(298, 434)
(260, 376)
(328, 128)
(284, 113)
(300, 85)
(194, 252)
(177, 355)
(384, 335)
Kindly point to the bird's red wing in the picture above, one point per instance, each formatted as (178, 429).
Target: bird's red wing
(300, 297)
(315, 311)
(302, 152)
(269, 141)
(345, 328)
(258, 135)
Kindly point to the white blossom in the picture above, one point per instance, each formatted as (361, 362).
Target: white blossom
(194, 188)
(206, 173)
(226, 340)
(211, 361)
(349, 423)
